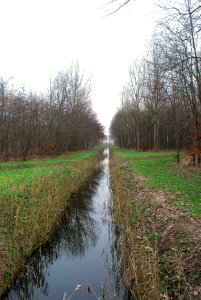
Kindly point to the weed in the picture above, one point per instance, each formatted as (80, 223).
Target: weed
(135, 214)
(139, 261)
(79, 289)
(152, 238)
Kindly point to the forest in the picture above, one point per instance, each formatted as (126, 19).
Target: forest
(161, 101)
(62, 120)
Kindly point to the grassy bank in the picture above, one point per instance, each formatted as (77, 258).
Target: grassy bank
(34, 194)
(14, 173)
(139, 263)
(161, 172)
(153, 199)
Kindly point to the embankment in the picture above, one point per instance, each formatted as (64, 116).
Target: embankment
(30, 210)
(161, 246)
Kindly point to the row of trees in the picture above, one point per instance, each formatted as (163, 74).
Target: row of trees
(161, 103)
(59, 121)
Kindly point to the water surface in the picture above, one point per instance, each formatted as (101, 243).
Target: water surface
(79, 260)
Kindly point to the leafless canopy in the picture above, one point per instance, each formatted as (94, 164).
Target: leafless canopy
(120, 5)
(162, 98)
(50, 124)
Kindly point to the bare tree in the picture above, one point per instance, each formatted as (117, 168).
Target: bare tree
(135, 89)
(62, 120)
(182, 34)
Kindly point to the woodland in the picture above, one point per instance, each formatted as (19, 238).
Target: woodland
(61, 120)
(161, 102)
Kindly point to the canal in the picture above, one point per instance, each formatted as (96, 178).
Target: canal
(79, 260)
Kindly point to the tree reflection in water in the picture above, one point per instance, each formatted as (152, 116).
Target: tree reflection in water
(76, 232)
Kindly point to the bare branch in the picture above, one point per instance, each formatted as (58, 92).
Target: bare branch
(118, 8)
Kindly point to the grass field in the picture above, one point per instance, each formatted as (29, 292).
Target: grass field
(162, 173)
(47, 161)
(14, 173)
(139, 155)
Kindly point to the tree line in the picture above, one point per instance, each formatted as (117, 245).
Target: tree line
(48, 124)
(161, 102)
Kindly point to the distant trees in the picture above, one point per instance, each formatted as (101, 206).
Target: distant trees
(169, 111)
(60, 121)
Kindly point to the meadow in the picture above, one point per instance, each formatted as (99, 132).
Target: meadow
(14, 173)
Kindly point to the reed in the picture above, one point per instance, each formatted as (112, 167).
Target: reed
(139, 258)
(160, 245)
(30, 211)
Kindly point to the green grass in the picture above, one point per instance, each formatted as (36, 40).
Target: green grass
(14, 173)
(139, 155)
(162, 173)
(47, 161)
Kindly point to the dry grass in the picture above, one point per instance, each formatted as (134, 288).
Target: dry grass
(161, 246)
(140, 259)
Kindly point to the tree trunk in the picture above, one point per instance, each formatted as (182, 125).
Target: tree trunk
(156, 134)
(137, 138)
(177, 139)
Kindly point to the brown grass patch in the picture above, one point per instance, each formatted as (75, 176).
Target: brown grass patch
(162, 247)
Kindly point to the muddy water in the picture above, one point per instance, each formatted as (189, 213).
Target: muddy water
(79, 260)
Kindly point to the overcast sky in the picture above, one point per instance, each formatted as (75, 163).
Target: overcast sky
(41, 37)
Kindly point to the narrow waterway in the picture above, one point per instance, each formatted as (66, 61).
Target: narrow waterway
(79, 260)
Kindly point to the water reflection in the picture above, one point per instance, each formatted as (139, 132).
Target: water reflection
(77, 232)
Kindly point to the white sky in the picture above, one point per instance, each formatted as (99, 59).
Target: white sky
(41, 37)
